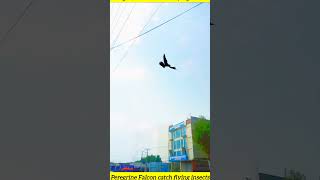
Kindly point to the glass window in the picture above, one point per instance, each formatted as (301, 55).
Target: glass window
(178, 153)
(178, 133)
(177, 145)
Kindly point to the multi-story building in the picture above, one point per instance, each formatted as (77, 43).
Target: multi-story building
(183, 151)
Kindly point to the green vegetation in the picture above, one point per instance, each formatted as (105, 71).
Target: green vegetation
(201, 134)
(151, 158)
(295, 175)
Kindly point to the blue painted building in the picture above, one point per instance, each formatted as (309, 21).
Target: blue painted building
(178, 142)
(158, 167)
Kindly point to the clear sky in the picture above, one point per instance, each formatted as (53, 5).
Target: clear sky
(145, 98)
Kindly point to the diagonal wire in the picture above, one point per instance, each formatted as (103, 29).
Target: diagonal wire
(115, 40)
(155, 27)
(17, 21)
(116, 17)
(114, 13)
(148, 22)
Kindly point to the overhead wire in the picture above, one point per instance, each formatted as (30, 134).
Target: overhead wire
(123, 25)
(148, 22)
(118, 18)
(113, 47)
(22, 14)
(115, 17)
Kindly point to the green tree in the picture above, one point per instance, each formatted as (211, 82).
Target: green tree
(151, 158)
(201, 133)
(295, 175)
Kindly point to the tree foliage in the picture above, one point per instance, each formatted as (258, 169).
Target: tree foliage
(201, 133)
(150, 158)
(295, 175)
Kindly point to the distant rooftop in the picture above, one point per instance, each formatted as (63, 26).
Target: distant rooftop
(192, 118)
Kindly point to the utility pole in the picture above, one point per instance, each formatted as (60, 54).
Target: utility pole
(141, 156)
(285, 172)
(147, 149)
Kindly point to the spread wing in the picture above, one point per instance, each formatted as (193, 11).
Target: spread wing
(165, 59)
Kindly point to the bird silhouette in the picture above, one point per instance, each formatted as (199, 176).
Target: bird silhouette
(165, 63)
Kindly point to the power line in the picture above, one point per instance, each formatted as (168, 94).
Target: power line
(115, 17)
(114, 13)
(17, 21)
(118, 19)
(155, 27)
(115, 40)
(148, 22)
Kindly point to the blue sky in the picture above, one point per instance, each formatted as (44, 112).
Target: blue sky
(145, 98)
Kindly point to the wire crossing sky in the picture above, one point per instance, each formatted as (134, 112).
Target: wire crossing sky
(154, 27)
(148, 22)
(22, 14)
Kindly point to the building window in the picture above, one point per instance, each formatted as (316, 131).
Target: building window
(176, 144)
(183, 131)
(178, 133)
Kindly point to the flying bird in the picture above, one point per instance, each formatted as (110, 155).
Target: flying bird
(165, 63)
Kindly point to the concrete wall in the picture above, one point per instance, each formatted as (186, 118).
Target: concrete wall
(186, 166)
(189, 142)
